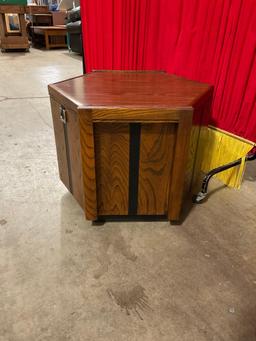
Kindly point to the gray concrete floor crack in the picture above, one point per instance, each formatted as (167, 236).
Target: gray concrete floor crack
(3, 98)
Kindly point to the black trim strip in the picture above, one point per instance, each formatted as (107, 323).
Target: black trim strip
(134, 159)
(109, 218)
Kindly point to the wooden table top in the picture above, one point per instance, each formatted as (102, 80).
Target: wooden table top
(50, 28)
(42, 15)
(130, 89)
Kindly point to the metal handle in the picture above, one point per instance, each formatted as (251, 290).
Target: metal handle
(63, 117)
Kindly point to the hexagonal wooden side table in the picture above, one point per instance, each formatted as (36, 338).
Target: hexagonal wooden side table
(127, 141)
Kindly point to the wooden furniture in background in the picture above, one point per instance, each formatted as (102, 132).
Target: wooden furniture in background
(59, 18)
(36, 9)
(127, 141)
(50, 36)
(49, 19)
(13, 39)
(43, 19)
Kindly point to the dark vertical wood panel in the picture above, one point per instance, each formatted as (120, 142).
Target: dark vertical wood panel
(156, 157)
(88, 164)
(60, 143)
(112, 167)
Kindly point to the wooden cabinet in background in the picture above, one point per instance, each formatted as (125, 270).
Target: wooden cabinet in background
(42, 19)
(127, 141)
(13, 34)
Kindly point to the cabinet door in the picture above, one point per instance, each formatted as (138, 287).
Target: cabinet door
(133, 169)
(66, 129)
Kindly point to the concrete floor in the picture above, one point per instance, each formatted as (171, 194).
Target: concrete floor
(63, 279)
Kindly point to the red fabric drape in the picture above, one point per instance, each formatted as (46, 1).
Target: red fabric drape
(204, 40)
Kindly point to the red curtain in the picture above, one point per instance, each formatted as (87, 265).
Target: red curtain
(204, 40)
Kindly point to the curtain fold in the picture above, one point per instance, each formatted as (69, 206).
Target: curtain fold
(208, 41)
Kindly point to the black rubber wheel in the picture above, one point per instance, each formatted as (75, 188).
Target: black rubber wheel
(198, 199)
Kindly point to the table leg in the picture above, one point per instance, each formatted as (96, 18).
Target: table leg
(68, 42)
(46, 36)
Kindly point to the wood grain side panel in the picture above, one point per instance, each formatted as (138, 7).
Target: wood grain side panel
(136, 115)
(12, 9)
(190, 166)
(88, 164)
(200, 112)
(23, 25)
(60, 143)
(73, 133)
(156, 157)
(177, 182)
(2, 29)
(112, 167)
